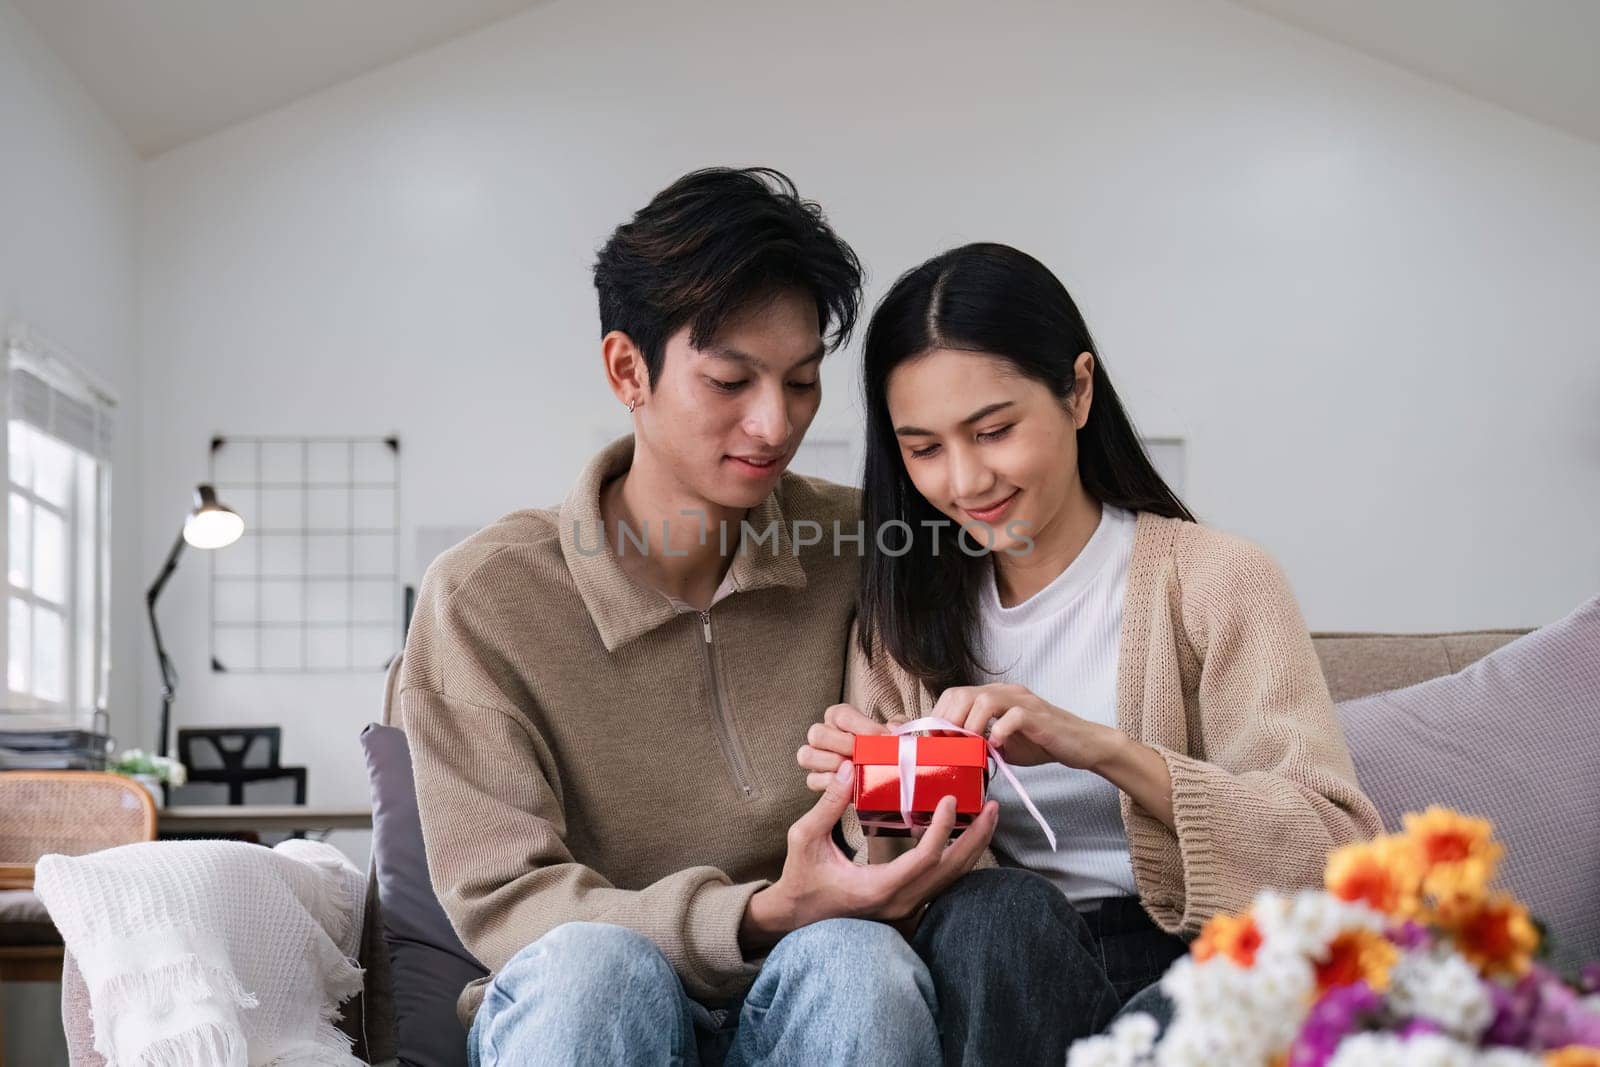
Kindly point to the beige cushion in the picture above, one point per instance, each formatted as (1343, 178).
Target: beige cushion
(1357, 665)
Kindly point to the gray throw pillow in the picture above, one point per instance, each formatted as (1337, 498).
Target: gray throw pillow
(1512, 738)
(428, 964)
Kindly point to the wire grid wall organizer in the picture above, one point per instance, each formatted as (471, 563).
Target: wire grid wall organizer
(313, 584)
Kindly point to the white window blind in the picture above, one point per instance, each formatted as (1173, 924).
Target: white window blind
(80, 421)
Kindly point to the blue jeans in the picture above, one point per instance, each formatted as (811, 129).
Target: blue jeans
(840, 991)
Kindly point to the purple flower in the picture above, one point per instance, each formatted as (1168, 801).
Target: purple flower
(1337, 1013)
(1563, 1019)
(1539, 1013)
(1409, 935)
(1589, 978)
(1583, 1027)
(1514, 1010)
(1550, 1022)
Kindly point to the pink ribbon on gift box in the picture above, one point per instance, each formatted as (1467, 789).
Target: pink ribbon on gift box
(907, 732)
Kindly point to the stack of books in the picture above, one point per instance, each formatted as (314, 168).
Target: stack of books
(25, 746)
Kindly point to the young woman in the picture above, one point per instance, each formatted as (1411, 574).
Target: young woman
(1153, 677)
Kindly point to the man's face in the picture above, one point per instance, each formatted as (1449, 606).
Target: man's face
(726, 419)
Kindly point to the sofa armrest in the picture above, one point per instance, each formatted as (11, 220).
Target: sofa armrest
(75, 1018)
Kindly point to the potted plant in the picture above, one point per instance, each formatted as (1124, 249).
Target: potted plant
(148, 770)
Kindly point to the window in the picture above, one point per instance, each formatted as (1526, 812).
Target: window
(57, 538)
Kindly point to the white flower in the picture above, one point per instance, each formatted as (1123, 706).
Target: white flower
(1225, 1014)
(1391, 1050)
(174, 772)
(1506, 1057)
(1206, 1043)
(1367, 1050)
(1099, 1051)
(1284, 982)
(1424, 1050)
(1443, 988)
(1136, 1033)
(1304, 924)
(1230, 1014)
(1129, 1043)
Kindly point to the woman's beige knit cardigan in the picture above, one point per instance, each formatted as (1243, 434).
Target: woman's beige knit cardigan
(1217, 673)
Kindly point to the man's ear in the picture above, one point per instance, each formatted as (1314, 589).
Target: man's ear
(1082, 388)
(626, 371)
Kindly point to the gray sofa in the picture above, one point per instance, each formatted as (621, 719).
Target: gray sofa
(1355, 666)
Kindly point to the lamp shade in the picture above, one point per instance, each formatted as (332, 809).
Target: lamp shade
(210, 524)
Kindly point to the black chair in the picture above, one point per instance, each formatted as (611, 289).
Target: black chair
(240, 764)
(237, 757)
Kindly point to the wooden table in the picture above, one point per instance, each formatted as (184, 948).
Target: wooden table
(237, 818)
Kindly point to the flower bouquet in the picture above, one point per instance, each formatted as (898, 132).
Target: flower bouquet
(1409, 957)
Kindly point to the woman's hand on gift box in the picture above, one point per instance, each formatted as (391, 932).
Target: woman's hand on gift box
(820, 882)
(1027, 729)
(832, 741)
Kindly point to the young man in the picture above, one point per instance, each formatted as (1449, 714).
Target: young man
(604, 700)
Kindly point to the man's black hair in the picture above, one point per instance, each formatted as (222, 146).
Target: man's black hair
(714, 243)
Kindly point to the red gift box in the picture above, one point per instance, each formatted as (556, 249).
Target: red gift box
(946, 765)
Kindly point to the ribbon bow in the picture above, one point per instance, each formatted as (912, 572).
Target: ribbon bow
(908, 767)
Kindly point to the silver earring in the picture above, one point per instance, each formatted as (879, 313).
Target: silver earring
(631, 407)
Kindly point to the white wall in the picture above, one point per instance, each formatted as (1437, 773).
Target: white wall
(67, 225)
(1360, 296)
(68, 222)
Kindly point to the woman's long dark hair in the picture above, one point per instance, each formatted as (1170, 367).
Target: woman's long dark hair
(922, 605)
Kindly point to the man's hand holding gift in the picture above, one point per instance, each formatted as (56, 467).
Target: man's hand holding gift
(820, 882)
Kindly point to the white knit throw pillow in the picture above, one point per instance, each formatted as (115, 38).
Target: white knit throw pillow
(212, 953)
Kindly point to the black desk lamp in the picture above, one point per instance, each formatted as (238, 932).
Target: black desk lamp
(209, 525)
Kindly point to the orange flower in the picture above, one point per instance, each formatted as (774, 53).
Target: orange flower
(1497, 936)
(1445, 836)
(1573, 1056)
(1233, 936)
(1456, 891)
(1384, 875)
(1448, 840)
(1357, 956)
(1457, 856)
